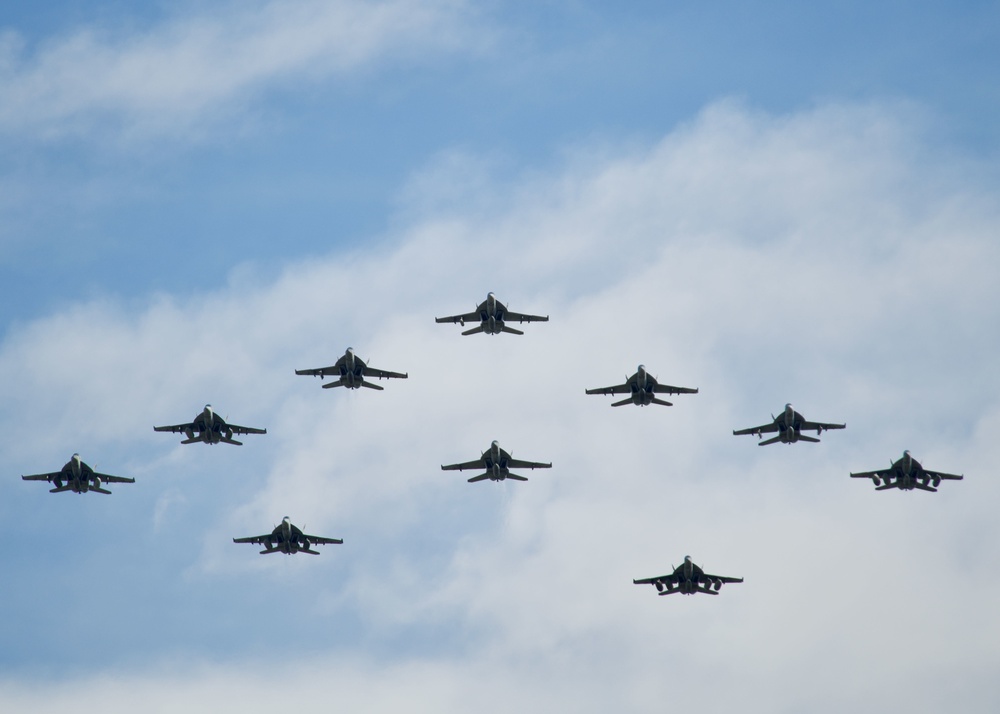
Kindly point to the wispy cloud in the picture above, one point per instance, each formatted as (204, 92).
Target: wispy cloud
(195, 70)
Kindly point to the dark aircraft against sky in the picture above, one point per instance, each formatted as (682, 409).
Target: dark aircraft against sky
(492, 316)
(288, 539)
(906, 474)
(789, 424)
(688, 579)
(642, 388)
(351, 371)
(77, 477)
(497, 464)
(210, 428)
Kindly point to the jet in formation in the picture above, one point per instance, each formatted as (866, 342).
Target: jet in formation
(789, 425)
(907, 474)
(288, 539)
(492, 316)
(497, 464)
(77, 477)
(642, 388)
(350, 372)
(210, 428)
(688, 579)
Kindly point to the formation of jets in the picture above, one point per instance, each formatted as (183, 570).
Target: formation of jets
(494, 318)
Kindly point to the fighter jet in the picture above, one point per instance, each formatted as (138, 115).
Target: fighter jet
(492, 316)
(688, 579)
(78, 478)
(497, 463)
(351, 372)
(287, 539)
(789, 425)
(211, 429)
(642, 386)
(907, 474)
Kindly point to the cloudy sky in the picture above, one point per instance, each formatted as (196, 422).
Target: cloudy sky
(769, 202)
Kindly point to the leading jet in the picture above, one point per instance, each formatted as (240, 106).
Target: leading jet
(288, 539)
(492, 316)
(210, 428)
(789, 425)
(498, 464)
(351, 371)
(688, 579)
(907, 474)
(642, 387)
(77, 477)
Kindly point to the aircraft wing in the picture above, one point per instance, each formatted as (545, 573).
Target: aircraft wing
(881, 474)
(107, 478)
(260, 540)
(667, 389)
(321, 371)
(724, 578)
(320, 540)
(46, 477)
(477, 464)
(518, 464)
(467, 317)
(520, 317)
(383, 374)
(176, 428)
(819, 426)
(617, 389)
(943, 477)
(653, 581)
(245, 429)
(763, 429)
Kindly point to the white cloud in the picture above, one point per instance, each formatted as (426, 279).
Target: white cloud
(817, 258)
(197, 70)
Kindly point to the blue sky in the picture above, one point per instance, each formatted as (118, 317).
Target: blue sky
(770, 202)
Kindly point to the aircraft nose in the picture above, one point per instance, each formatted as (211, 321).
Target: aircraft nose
(642, 368)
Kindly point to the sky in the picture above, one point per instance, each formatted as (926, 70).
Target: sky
(770, 202)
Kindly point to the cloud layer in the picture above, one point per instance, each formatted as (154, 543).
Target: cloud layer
(825, 258)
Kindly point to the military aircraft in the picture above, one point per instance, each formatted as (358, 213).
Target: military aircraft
(642, 386)
(907, 474)
(492, 316)
(789, 425)
(211, 429)
(351, 372)
(497, 463)
(287, 539)
(688, 579)
(78, 478)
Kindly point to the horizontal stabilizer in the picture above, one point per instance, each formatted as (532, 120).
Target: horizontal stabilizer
(664, 402)
(883, 487)
(310, 552)
(668, 592)
(365, 383)
(231, 441)
(516, 477)
(772, 440)
(511, 330)
(67, 487)
(480, 477)
(269, 550)
(803, 437)
(622, 403)
(331, 385)
(100, 490)
(707, 591)
(925, 487)
(473, 331)
(192, 440)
